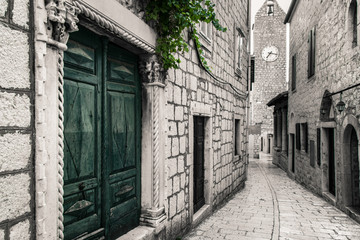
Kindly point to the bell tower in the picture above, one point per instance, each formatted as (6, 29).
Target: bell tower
(270, 73)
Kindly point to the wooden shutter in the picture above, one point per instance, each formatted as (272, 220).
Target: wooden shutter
(298, 142)
(293, 73)
(305, 136)
(313, 39)
(318, 144)
(309, 53)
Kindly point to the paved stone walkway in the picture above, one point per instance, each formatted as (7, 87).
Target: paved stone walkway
(272, 206)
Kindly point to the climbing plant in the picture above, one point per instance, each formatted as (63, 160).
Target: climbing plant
(172, 17)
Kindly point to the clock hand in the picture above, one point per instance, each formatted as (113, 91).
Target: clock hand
(269, 54)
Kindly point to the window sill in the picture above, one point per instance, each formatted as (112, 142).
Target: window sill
(312, 77)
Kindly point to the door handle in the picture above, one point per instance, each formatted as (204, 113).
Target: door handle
(123, 190)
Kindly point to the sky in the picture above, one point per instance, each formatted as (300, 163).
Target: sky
(256, 4)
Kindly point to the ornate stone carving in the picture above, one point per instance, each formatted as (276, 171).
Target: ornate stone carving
(151, 70)
(113, 27)
(135, 6)
(62, 19)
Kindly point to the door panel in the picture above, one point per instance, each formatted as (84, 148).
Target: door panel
(121, 130)
(123, 135)
(102, 111)
(199, 177)
(82, 155)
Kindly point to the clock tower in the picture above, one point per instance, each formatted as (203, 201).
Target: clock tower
(270, 73)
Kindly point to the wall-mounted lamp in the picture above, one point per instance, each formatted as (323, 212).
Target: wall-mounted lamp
(340, 106)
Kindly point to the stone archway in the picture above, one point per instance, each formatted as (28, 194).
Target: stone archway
(326, 113)
(351, 167)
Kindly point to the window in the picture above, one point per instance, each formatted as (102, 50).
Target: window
(304, 128)
(293, 73)
(239, 55)
(353, 22)
(298, 143)
(252, 73)
(206, 28)
(311, 53)
(237, 137)
(270, 10)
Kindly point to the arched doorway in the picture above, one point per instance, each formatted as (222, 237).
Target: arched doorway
(354, 159)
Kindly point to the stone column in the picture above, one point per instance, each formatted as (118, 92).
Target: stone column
(53, 23)
(153, 135)
(284, 133)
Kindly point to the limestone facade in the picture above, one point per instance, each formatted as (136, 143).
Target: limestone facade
(32, 110)
(326, 158)
(270, 75)
(16, 121)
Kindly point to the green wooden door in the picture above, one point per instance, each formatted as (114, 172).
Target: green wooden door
(101, 138)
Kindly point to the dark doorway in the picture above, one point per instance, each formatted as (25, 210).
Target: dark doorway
(354, 155)
(292, 138)
(331, 161)
(199, 173)
(262, 143)
(269, 146)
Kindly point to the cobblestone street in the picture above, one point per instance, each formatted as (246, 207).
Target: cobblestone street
(272, 206)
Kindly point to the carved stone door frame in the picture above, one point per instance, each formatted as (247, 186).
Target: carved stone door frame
(54, 21)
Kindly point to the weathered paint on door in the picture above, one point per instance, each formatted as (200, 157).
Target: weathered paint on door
(101, 138)
(199, 172)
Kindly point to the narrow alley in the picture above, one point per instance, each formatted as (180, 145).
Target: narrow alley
(272, 206)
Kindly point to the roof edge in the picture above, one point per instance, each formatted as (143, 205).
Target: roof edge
(291, 11)
(279, 97)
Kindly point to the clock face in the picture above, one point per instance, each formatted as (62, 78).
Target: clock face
(270, 53)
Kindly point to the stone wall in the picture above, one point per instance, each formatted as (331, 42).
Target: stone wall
(270, 77)
(190, 91)
(16, 121)
(336, 68)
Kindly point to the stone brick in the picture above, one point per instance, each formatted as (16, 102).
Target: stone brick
(183, 144)
(180, 201)
(170, 112)
(172, 166)
(179, 113)
(193, 83)
(16, 147)
(14, 110)
(21, 13)
(15, 196)
(172, 128)
(14, 58)
(3, 7)
(176, 183)
(177, 95)
(181, 164)
(175, 147)
(181, 128)
(20, 231)
(172, 206)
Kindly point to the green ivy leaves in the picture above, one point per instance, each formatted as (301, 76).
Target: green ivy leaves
(172, 18)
